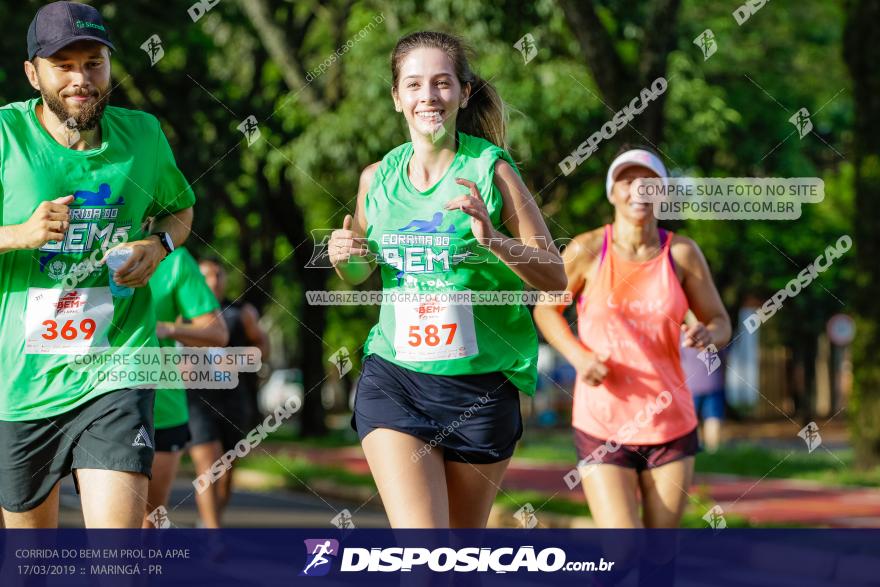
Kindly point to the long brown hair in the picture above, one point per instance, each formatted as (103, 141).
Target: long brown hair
(485, 114)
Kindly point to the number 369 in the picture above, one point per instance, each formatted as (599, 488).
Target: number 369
(68, 331)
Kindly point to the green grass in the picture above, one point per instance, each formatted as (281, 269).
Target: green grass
(335, 438)
(821, 466)
(297, 471)
(555, 446)
(550, 446)
(514, 500)
(693, 516)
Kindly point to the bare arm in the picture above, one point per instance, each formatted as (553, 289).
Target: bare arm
(579, 259)
(49, 222)
(549, 318)
(177, 224)
(348, 247)
(204, 330)
(530, 253)
(255, 334)
(149, 252)
(9, 240)
(703, 298)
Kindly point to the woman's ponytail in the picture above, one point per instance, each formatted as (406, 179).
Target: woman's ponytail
(485, 114)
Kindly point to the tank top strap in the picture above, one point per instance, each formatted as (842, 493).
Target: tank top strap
(666, 245)
(665, 237)
(606, 240)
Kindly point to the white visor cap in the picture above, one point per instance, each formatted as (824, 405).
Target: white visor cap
(631, 158)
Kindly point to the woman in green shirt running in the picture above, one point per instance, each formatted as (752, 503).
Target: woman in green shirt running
(449, 221)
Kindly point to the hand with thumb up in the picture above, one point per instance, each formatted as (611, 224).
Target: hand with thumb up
(345, 243)
(592, 368)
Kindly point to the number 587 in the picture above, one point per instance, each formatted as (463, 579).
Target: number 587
(430, 334)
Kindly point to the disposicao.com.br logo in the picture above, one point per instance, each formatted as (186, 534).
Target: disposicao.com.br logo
(441, 560)
(318, 556)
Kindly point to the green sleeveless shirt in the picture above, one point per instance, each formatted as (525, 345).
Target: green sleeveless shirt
(431, 265)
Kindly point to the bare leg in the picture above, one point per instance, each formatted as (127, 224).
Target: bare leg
(664, 496)
(165, 466)
(224, 492)
(112, 499)
(44, 515)
(472, 490)
(664, 492)
(611, 494)
(203, 456)
(412, 485)
(712, 434)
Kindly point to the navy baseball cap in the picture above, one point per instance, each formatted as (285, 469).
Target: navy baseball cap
(59, 24)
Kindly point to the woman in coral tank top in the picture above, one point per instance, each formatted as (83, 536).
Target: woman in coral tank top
(633, 415)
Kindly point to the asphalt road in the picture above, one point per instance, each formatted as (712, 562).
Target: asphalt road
(247, 509)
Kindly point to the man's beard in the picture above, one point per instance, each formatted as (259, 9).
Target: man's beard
(89, 114)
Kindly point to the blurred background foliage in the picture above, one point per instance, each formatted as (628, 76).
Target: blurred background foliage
(259, 206)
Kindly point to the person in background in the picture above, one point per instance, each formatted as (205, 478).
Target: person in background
(179, 292)
(218, 419)
(705, 377)
(642, 294)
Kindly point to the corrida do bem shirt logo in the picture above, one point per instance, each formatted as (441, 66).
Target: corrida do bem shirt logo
(88, 211)
(423, 246)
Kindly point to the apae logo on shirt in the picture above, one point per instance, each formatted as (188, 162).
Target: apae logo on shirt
(57, 269)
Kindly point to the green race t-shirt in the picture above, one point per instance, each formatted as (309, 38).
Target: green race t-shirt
(179, 289)
(427, 255)
(47, 330)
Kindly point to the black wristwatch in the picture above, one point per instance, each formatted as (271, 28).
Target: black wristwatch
(166, 241)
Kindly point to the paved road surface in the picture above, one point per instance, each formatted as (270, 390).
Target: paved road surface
(248, 509)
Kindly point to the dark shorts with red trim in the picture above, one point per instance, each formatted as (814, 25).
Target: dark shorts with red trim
(595, 451)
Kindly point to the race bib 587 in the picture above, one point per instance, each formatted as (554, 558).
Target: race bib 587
(431, 329)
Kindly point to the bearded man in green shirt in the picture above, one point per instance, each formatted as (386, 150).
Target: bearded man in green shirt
(78, 177)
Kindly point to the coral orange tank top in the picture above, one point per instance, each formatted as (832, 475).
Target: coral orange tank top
(633, 311)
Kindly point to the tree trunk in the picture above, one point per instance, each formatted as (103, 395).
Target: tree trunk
(618, 83)
(862, 53)
(311, 352)
(312, 319)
